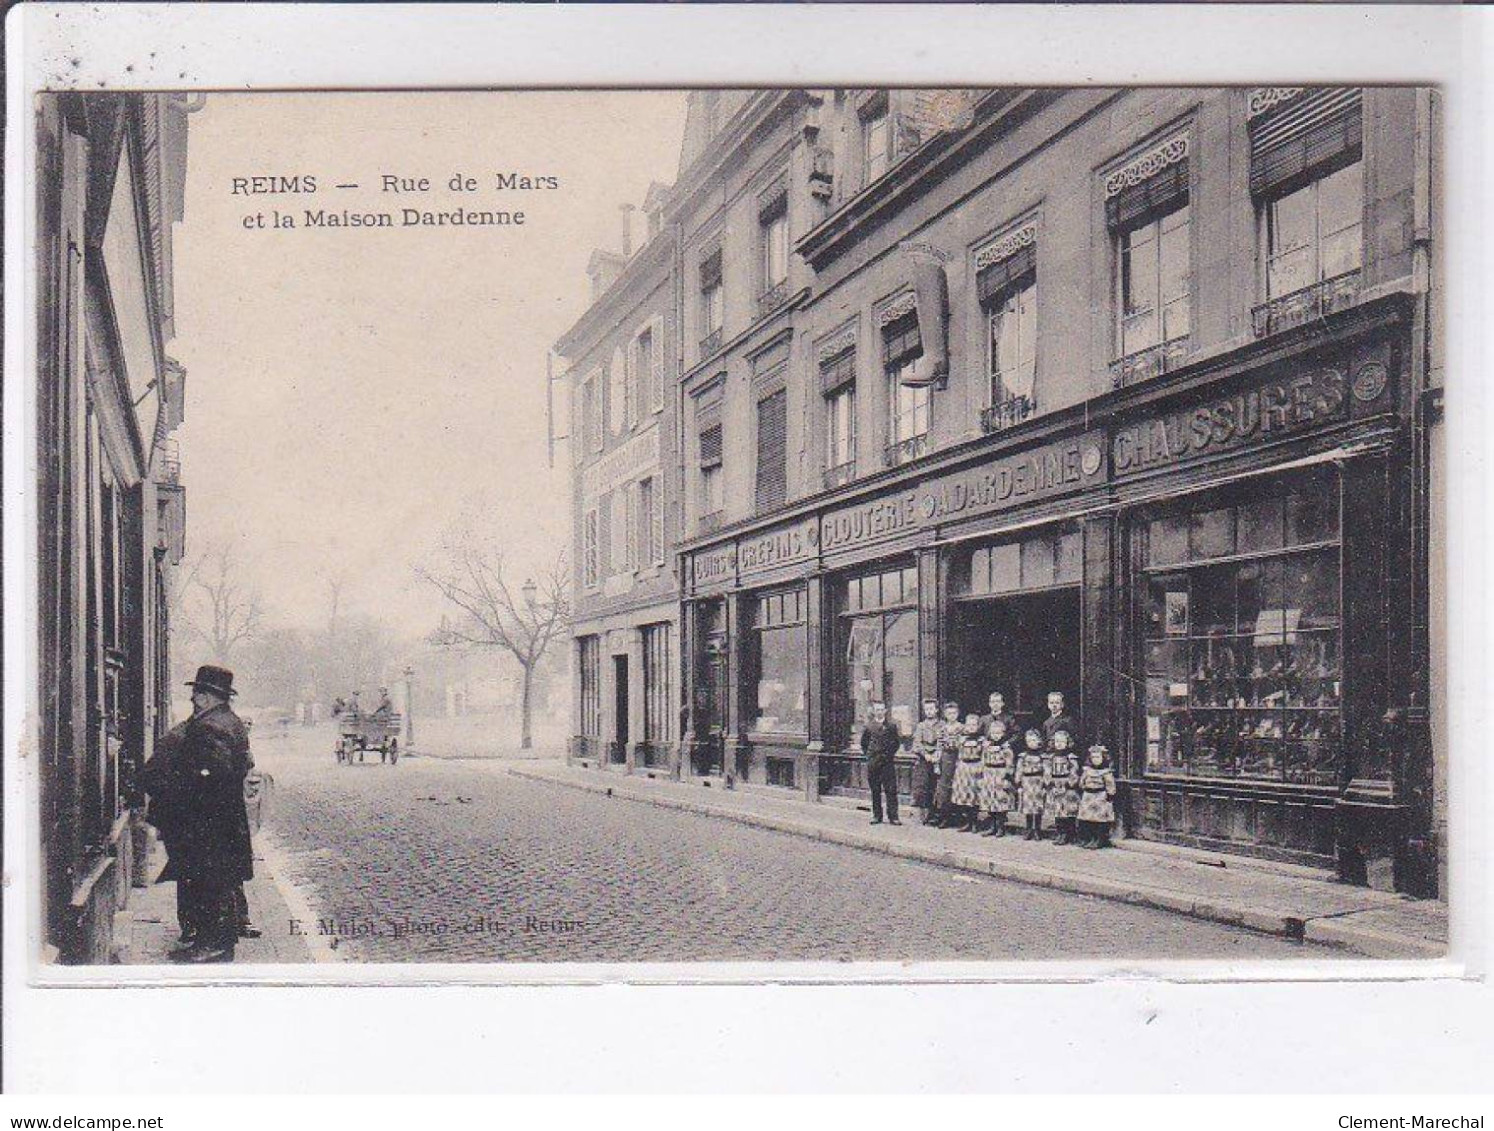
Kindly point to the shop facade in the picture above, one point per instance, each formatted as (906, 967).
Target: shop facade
(1207, 565)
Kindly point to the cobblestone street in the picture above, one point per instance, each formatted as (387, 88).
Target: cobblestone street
(456, 861)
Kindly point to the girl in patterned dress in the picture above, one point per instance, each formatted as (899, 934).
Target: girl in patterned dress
(1096, 800)
(964, 794)
(997, 761)
(1032, 784)
(1063, 788)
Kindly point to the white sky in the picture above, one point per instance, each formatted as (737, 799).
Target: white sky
(350, 392)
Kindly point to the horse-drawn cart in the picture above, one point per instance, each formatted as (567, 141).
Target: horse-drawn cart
(358, 733)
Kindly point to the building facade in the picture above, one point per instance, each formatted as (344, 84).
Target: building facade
(111, 507)
(623, 438)
(1128, 394)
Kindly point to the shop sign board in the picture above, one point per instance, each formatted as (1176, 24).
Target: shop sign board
(782, 546)
(1046, 471)
(638, 455)
(1264, 412)
(714, 566)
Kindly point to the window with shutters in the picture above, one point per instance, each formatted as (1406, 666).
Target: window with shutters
(1307, 174)
(589, 653)
(876, 139)
(649, 361)
(712, 302)
(591, 411)
(838, 384)
(657, 709)
(650, 524)
(590, 549)
(712, 481)
(1147, 208)
(1006, 285)
(772, 450)
(909, 407)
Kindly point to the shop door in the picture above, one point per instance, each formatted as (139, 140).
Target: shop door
(711, 690)
(1023, 645)
(620, 710)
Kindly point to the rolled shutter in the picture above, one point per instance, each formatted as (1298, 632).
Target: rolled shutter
(710, 270)
(772, 450)
(999, 277)
(710, 446)
(901, 340)
(1162, 192)
(1317, 129)
(838, 371)
(774, 201)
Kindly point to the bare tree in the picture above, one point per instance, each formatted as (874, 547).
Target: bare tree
(471, 577)
(221, 608)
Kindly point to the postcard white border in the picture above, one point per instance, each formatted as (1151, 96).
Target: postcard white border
(343, 47)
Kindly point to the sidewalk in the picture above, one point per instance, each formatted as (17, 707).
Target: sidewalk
(153, 928)
(1295, 903)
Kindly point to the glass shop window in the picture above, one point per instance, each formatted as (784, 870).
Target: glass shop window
(1242, 647)
(781, 639)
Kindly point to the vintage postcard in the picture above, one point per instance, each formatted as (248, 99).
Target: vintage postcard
(775, 525)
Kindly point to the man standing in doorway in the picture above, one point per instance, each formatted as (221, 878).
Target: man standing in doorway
(880, 742)
(212, 852)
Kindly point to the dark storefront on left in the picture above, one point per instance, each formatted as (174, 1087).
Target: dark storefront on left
(110, 505)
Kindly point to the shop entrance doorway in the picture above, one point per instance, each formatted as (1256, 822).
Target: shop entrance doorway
(1023, 645)
(620, 735)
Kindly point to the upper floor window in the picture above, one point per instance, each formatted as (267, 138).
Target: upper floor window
(591, 412)
(712, 298)
(590, 549)
(876, 139)
(1316, 232)
(1147, 210)
(650, 524)
(1006, 284)
(772, 450)
(1306, 172)
(1155, 299)
(838, 384)
(648, 365)
(909, 406)
(712, 478)
(773, 217)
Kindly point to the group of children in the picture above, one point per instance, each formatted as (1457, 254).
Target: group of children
(971, 776)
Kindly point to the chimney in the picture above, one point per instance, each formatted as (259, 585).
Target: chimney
(627, 229)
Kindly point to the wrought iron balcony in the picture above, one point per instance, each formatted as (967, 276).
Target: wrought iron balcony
(1004, 413)
(906, 451)
(1145, 364)
(710, 343)
(839, 474)
(1307, 305)
(772, 298)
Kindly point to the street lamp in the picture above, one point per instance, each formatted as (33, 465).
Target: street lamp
(409, 707)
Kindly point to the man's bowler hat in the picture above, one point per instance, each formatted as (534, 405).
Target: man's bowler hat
(215, 679)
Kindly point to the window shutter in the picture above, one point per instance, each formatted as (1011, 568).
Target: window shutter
(993, 281)
(1317, 128)
(1162, 192)
(656, 534)
(656, 358)
(901, 340)
(772, 450)
(773, 203)
(838, 371)
(630, 385)
(604, 536)
(710, 446)
(710, 270)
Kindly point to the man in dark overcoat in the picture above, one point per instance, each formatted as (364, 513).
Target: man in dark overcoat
(209, 846)
(880, 742)
(159, 781)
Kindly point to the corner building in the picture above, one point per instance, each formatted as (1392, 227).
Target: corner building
(621, 364)
(1122, 393)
